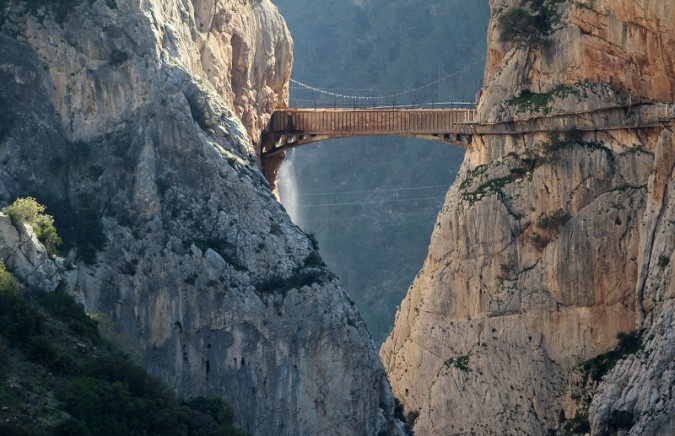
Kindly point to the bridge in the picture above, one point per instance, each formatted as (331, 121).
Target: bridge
(290, 128)
(442, 110)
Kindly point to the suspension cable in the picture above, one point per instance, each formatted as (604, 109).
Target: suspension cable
(394, 95)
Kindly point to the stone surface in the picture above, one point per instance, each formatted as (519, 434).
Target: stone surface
(131, 120)
(548, 246)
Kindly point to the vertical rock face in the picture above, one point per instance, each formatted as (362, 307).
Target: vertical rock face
(549, 245)
(131, 121)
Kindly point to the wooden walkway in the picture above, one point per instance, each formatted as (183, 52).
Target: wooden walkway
(290, 128)
(295, 127)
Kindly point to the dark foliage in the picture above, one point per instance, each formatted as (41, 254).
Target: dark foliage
(9, 428)
(117, 397)
(663, 261)
(118, 57)
(399, 412)
(315, 242)
(104, 395)
(313, 270)
(554, 221)
(313, 260)
(63, 306)
(19, 322)
(620, 420)
(529, 26)
(628, 343)
(60, 8)
(200, 111)
(579, 425)
(6, 116)
(521, 27)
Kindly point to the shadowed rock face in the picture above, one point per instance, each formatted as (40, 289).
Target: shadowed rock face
(549, 246)
(132, 124)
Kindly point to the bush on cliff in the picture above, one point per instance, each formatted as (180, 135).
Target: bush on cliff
(28, 211)
(529, 26)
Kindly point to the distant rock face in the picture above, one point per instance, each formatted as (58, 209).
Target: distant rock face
(550, 245)
(131, 121)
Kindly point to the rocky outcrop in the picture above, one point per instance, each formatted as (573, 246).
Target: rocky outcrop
(22, 253)
(550, 244)
(131, 121)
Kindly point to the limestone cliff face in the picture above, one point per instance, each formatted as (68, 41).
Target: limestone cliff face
(549, 245)
(130, 120)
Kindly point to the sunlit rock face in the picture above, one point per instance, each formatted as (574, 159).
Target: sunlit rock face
(548, 246)
(132, 121)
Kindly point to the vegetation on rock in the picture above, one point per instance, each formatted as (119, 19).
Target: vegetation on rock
(628, 343)
(529, 25)
(57, 376)
(459, 362)
(27, 210)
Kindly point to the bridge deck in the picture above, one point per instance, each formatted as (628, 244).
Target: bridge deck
(290, 128)
(389, 121)
(293, 127)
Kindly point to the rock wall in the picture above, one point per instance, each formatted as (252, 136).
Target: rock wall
(549, 245)
(130, 120)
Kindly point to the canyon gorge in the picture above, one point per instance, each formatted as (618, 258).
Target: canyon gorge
(545, 301)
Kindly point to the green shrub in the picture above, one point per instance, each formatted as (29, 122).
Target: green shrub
(8, 428)
(60, 8)
(216, 408)
(529, 27)
(459, 362)
(580, 425)
(8, 283)
(27, 210)
(19, 322)
(71, 427)
(24, 210)
(115, 396)
(313, 239)
(521, 27)
(105, 394)
(628, 343)
(299, 278)
(65, 307)
(313, 260)
(663, 261)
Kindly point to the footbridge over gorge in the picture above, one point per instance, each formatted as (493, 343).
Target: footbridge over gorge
(290, 128)
(426, 113)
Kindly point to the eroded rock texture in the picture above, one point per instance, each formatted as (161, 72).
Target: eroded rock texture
(131, 121)
(549, 245)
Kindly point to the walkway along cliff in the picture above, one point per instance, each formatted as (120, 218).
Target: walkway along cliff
(546, 300)
(131, 120)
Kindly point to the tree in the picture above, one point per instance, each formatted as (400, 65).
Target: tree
(27, 210)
